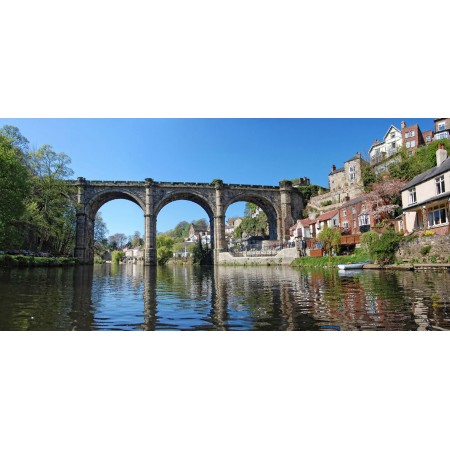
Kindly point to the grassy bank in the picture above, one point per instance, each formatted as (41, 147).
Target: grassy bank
(8, 261)
(328, 261)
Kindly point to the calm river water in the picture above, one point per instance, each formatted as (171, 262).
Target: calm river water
(133, 297)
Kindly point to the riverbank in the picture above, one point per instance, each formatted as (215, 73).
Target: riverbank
(9, 261)
(328, 261)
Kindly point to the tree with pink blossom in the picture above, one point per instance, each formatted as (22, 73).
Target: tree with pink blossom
(384, 198)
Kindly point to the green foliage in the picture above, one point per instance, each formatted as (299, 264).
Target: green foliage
(369, 177)
(433, 259)
(116, 256)
(309, 191)
(331, 240)
(384, 250)
(14, 188)
(368, 240)
(329, 261)
(164, 248)
(8, 261)
(424, 158)
(425, 250)
(326, 203)
(255, 226)
(201, 255)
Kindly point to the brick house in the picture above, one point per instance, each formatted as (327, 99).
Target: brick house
(441, 129)
(426, 198)
(354, 217)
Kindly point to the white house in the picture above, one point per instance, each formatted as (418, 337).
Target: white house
(330, 219)
(426, 198)
(389, 146)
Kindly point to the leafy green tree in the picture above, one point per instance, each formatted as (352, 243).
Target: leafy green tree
(16, 139)
(164, 248)
(136, 239)
(201, 255)
(331, 239)
(14, 188)
(256, 226)
(50, 215)
(309, 191)
(117, 241)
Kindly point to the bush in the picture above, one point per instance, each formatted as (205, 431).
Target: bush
(116, 256)
(331, 240)
(368, 240)
(384, 250)
(425, 250)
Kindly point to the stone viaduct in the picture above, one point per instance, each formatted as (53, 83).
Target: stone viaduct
(280, 203)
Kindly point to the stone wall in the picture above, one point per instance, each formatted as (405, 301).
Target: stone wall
(439, 249)
(283, 258)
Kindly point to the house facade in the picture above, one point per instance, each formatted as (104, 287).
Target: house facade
(329, 219)
(303, 228)
(390, 145)
(425, 198)
(441, 129)
(354, 216)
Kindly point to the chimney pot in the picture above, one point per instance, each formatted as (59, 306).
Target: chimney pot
(403, 124)
(333, 168)
(441, 154)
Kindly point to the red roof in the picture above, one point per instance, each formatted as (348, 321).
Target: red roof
(327, 216)
(306, 222)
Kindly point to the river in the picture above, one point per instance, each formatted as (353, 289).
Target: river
(134, 297)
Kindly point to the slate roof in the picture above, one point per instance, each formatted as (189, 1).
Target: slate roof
(354, 201)
(337, 170)
(428, 174)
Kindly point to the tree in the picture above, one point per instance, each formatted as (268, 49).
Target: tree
(100, 228)
(164, 248)
(331, 239)
(136, 239)
(50, 215)
(200, 223)
(117, 241)
(384, 198)
(16, 139)
(14, 188)
(368, 240)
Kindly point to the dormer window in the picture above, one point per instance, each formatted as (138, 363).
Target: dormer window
(441, 126)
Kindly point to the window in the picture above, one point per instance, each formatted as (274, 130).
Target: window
(345, 224)
(393, 135)
(364, 220)
(413, 143)
(408, 144)
(440, 185)
(428, 138)
(441, 126)
(353, 210)
(352, 173)
(363, 207)
(410, 153)
(407, 135)
(344, 213)
(443, 135)
(412, 133)
(354, 223)
(392, 144)
(412, 196)
(437, 215)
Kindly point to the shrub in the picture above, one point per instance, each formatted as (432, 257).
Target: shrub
(331, 239)
(326, 203)
(425, 250)
(433, 259)
(384, 250)
(116, 256)
(368, 240)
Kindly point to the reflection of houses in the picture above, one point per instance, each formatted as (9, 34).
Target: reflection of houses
(426, 197)
(134, 252)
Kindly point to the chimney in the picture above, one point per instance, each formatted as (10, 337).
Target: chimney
(403, 125)
(333, 168)
(358, 154)
(376, 141)
(441, 155)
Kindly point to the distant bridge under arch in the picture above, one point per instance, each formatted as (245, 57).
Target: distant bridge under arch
(280, 203)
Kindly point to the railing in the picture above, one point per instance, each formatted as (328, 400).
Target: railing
(263, 248)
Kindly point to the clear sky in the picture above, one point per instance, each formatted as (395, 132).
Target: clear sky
(247, 151)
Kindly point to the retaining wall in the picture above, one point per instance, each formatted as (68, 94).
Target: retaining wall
(439, 249)
(282, 258)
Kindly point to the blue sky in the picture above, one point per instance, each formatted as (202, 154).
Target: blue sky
(248, 151)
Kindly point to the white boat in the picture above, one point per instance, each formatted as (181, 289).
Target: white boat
(351, 266)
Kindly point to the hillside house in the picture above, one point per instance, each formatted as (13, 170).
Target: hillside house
(426, 197)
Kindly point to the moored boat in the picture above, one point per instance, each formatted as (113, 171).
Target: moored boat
(352, 266)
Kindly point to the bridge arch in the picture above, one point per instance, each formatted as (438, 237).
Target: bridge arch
(272, 212)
